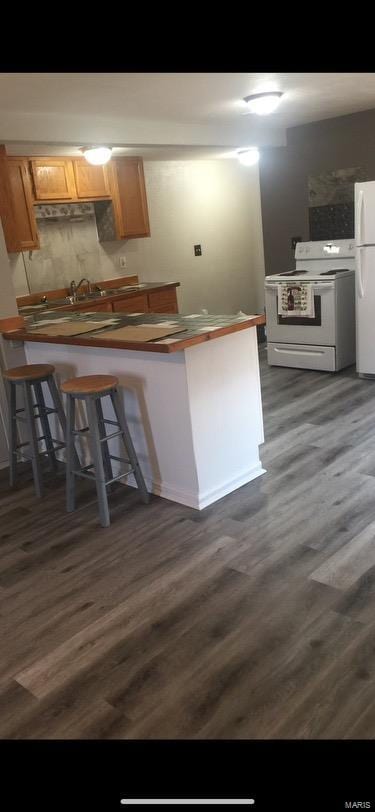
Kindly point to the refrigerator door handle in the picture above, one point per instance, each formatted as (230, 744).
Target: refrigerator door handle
(359, 217)
(361, 289)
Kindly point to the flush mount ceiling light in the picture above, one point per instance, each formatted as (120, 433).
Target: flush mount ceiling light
(263, 103)
(97, 155)
(248, 157)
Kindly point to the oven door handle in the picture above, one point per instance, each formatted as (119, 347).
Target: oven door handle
(316, 286)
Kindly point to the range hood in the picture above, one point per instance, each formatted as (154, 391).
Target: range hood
(64, 211)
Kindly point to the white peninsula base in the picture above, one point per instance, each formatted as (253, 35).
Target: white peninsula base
(195, 415)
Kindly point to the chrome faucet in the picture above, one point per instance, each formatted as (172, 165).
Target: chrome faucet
(75, 288)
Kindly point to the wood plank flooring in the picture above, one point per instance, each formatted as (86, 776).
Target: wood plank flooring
(254, 618)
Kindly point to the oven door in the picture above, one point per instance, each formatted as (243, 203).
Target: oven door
(297, 330)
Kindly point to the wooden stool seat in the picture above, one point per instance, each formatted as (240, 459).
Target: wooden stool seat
(29, 372)
(89, 384)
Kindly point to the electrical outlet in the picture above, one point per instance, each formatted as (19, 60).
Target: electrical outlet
(122, 262)
(198, 250)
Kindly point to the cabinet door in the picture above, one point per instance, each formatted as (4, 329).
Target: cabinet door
(134, 304)
(129, 198)
(6, 204)
(24, 217)
(91, 181)
(163, 301)
(53, 179)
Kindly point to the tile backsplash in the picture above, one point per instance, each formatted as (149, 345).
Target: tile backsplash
(69, 249)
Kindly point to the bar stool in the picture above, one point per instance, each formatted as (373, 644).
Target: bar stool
(30, 377)
(91, 389)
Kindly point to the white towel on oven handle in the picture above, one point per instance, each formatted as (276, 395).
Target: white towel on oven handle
(303, 300)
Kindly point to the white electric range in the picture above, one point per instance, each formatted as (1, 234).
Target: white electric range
(327, 340)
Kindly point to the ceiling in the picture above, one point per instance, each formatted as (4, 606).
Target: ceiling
(178, 112)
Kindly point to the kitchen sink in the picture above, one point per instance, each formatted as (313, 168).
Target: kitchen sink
(81, 297)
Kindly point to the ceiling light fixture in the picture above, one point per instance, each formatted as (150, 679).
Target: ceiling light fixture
(97, 155)
(248, 157)
(263, 103)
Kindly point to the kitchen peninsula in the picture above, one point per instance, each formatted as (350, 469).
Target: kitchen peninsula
(192, 398)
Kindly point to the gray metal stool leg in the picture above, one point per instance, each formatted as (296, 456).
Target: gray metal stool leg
(97, 458)
(70, 455)
(12, 424)
(57, 402)
(29, 413)
(102, 432)
(128, 442)
(46, 431)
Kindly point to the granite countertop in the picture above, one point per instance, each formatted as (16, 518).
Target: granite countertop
(198, 328)
(127, 291)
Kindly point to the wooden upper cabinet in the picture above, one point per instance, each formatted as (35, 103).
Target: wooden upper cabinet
(120, 185)
(129, 198)
(91, 181)
(53, 179)
(6, 204)
(22, 201)
(16, 205)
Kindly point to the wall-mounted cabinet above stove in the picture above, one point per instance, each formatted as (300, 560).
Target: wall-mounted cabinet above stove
(60, 179)
(119, 187)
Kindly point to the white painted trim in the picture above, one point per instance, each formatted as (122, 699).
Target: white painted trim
(230, 485)
(194, 500)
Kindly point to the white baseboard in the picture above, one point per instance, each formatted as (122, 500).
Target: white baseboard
(194, 499)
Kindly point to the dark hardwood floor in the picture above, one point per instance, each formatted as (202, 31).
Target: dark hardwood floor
(254, 618)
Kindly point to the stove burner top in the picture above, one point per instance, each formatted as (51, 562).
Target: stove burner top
(330, 272)
(291, 273)
(333, 271)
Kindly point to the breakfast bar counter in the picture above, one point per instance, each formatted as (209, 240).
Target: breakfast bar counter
(192, 398)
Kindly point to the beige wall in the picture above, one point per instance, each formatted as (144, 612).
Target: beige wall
(212, 202)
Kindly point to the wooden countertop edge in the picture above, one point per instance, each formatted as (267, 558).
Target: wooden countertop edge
(146, 346)
(101, 299)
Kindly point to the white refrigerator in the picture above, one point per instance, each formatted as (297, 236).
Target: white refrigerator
(365, 277)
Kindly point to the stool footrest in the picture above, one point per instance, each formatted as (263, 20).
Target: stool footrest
(36, 416)
(23, 456)
(58, 443)
(84, 473)
(120, 476)
(109, 436)
(119, 459)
